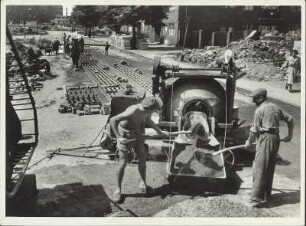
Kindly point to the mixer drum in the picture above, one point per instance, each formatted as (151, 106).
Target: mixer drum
(187, 93)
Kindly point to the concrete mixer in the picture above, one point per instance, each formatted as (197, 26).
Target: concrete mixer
(210, 91)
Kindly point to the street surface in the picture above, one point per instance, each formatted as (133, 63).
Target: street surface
(76, 175)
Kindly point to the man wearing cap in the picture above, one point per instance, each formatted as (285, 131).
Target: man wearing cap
(129, 128)
(265, 129)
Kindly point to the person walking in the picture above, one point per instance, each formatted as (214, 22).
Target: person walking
(129, 128)
(293, 69)
(265, 129)
(106, 48)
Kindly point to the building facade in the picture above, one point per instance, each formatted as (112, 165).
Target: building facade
(61, 20)
(198, 26)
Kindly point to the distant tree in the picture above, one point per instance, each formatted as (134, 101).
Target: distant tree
(133, 15)
(154, 16)
(40, 13)
(87, 16)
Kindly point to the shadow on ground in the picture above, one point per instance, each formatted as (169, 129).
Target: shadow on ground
(283, 198)
(73, 200)
(68, 200)
(194, 187)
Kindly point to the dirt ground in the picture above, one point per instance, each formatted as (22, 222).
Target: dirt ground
(80, 186)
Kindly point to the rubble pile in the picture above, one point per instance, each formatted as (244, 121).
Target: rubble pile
(36, 69)
(255, 59)
(213, 207)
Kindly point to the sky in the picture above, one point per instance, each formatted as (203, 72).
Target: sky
(69, 8)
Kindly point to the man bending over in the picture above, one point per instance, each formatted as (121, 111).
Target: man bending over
(129, 128)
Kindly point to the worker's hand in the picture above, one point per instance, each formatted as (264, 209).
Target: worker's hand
(122, 140)
(165, 134)
(247, 144)
(286, 139)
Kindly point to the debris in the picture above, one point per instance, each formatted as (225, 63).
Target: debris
(270, 51)
(123, 62)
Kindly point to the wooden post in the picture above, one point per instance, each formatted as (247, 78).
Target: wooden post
(213, 37)
(186, 31)
(200, 38)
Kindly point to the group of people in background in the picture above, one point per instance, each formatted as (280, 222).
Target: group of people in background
(73, 48)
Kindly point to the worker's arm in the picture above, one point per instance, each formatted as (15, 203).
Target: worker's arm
(151, 124)
(290, 125)
(115, 120)
(285, 64)
(254, 130)
(289, 120)
(251, 140)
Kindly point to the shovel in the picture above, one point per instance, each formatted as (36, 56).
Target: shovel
(227, 149)
(144, 136)
(235, 147)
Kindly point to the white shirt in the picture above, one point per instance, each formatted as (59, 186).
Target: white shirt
(229, 54)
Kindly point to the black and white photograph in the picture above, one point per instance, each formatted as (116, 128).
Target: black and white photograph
(158, 113)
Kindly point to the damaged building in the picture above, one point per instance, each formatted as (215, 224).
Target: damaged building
(196, 26)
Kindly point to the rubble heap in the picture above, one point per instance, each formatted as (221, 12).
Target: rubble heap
(36, 69)
(255, 59)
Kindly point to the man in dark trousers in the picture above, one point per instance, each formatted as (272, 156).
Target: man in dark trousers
(75, 52)
(106, 48)
(82, 43)
(266, 130)
(55, 45)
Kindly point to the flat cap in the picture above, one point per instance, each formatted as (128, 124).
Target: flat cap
(152, 103)
(259, 92)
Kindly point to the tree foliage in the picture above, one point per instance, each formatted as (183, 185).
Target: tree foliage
(87, 16)
(116, 16)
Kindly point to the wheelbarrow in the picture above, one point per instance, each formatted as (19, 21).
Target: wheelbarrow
(198, 161)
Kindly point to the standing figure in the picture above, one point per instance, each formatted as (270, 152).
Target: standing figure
(75, 52)
(82, 43)
(293, 69)
(64, 41)
(266, 130)
(67, 45)
(229, 59)
(106, 48)
(129, 128)
(55, 45)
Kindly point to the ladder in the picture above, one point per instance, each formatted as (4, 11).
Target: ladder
(21, 102)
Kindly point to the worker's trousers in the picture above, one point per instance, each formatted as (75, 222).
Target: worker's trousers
(264, 166)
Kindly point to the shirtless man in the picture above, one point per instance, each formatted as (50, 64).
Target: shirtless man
(129, 128)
